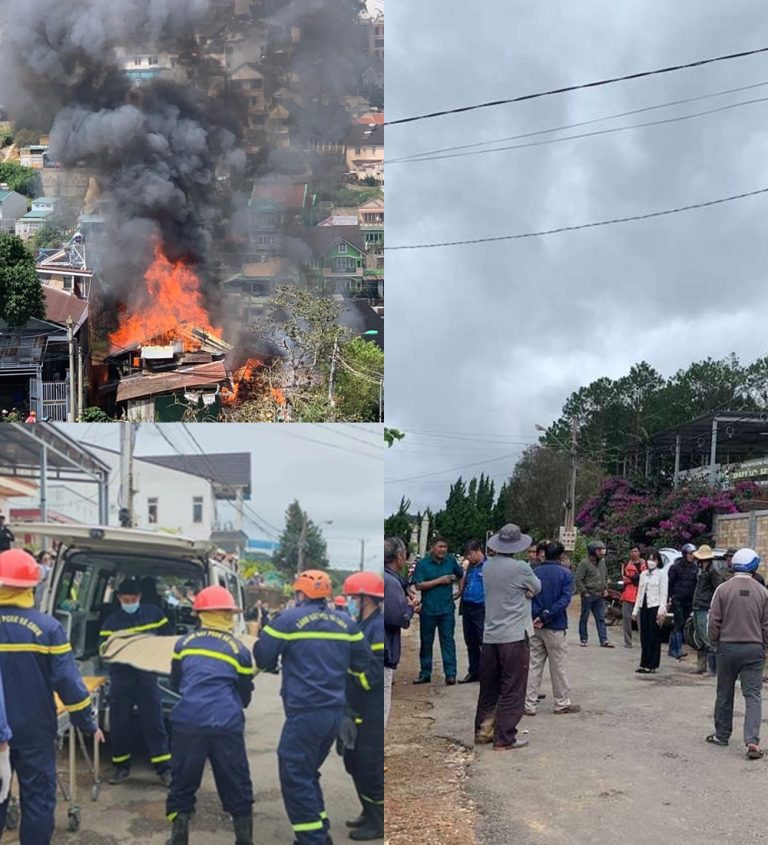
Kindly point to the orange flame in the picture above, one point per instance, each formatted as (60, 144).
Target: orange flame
(240, 377)
(173, 297)
(278, 395)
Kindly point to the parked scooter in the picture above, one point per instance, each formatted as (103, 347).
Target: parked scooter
(613, 604)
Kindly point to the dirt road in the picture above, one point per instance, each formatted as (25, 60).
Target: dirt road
(134, 813)
(631, 767)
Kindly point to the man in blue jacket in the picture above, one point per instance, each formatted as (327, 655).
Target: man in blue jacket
(129, 687)
(550, 622)
(398, 612)
(318, 648)
(35, 660)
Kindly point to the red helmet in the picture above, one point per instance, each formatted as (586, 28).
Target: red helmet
(314, 583)
(340, 601)
(365, 584)
(215, 598)
(18, 569)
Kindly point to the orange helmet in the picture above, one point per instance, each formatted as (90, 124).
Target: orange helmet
(340, 601)
(365, 584)
(18, 569)
(314, 583)
(215, 598)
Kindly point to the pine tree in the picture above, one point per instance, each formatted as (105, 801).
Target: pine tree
(286, 558)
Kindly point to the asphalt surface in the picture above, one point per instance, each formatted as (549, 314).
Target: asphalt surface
(134, 813)
(632, 767)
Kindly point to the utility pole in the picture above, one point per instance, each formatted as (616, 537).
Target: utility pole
(81, 381)
(362, 555)
(381, 400)
(72, 411)
(302, 540)
(570, 500)
(126, 474)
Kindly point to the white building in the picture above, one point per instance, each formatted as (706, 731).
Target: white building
(12, 206)
(42, 213)
(167, 500)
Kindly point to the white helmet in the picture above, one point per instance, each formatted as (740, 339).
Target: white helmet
(745, 560)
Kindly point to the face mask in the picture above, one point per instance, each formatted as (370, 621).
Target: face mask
(652, 564)
(131, 608)
(352, 607)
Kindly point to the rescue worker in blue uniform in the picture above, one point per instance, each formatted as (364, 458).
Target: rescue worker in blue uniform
(213, 671)
(129, 687)
(319, 648)
(5, 750)
(365, 761)
(35, 654)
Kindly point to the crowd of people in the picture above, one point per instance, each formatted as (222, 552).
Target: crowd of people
(332, 672)
(515, 618)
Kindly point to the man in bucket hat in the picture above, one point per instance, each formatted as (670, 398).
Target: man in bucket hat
(707, 581)
(509, 587)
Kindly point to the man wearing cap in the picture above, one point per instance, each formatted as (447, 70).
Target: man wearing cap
(35, 661)
(509, 586)
(708, 580)
(682, 585)
(738, 631)
(129, 687)
(434, 576)
(213, 672)
(591, 580)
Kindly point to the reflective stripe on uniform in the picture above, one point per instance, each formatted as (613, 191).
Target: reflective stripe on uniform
(377, 646)
(299, 828)
(312, 635)
(323, 815)
(136, 630)
(216, 655)
(38, 649)
(161, 759)
(364, 683)
(121, 759)
(370, 800)
(171, 816)
(81, 705)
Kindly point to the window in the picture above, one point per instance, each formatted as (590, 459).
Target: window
(153, 60)
(138, 61)
(152, 511)
(197, 509)
(345, 265)
(358, 151)
(342, 249)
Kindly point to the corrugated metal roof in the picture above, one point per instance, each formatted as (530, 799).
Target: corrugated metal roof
(225, 468)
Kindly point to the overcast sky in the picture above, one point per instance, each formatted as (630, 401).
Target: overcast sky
(335, 474)
(492, 339)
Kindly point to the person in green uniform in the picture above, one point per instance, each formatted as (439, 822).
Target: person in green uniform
(435, 576)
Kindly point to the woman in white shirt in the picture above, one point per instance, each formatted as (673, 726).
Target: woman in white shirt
(651, 607)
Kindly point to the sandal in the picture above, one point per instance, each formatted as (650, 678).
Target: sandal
(714, 739)
(754, 752)
(642, 671)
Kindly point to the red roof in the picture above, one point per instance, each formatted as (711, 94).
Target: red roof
(375, 117)
(60, 305)
(286, 195)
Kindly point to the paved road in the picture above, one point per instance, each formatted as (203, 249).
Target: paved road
(633, 767)
(134, 813)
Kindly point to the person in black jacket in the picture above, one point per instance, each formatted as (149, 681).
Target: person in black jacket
(6, 536)
(708, 581)
(398, 612)
(683, 575)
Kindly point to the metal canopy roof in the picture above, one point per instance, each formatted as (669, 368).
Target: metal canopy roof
(738, 433)
(21, 446)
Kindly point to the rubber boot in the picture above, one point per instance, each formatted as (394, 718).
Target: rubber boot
(180, 830)
(701, 663)
(243, 829)
(373, 827)
(360, 820)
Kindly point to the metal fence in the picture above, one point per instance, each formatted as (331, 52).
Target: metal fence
(50, 399)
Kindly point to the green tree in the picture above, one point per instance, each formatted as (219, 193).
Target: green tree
(399, 524)
(286, 558)
(358, 383)
(21, 294)
(48, 236)
(18, 178)
(392, 435)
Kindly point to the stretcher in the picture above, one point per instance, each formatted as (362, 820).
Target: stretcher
(68, 787)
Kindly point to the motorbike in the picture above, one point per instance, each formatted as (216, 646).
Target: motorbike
(613, 604)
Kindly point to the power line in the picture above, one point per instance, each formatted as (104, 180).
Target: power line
(282, 429)
(415, 156)
(613, 221)
(568, 88)
(453, 469)
(609, 131)
(333, 429)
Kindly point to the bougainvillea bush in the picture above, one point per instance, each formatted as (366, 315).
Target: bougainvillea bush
(624, 514)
